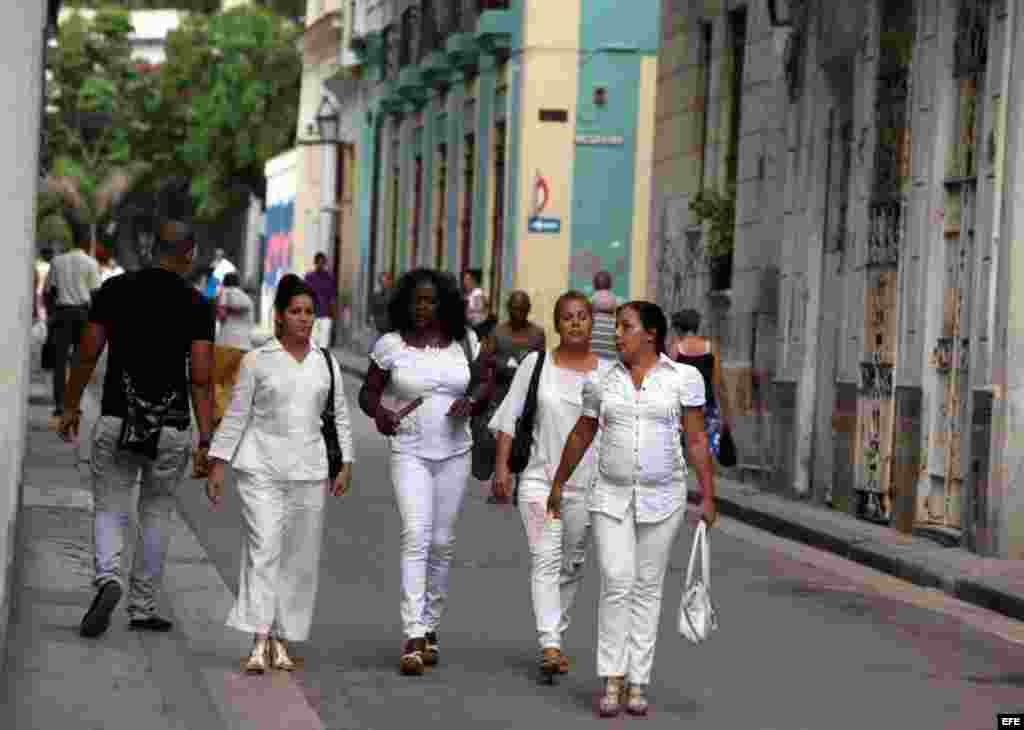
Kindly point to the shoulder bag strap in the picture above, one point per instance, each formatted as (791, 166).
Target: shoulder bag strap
(329, 406)
(531, 393)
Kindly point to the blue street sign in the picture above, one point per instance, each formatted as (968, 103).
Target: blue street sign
(545, 225)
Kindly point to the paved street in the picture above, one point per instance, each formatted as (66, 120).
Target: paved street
(808, 639)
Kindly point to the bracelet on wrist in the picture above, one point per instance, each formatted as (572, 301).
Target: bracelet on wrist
(204, 443)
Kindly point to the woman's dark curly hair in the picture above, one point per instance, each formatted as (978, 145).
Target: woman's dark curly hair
(451, 310)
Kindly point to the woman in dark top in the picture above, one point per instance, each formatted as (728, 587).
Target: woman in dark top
(692, 349)
(510, 343)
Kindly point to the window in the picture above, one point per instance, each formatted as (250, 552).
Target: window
(417, 204)
(396, 194)
(498, 224)
(442, 205)
(468, 162)
(705, 70)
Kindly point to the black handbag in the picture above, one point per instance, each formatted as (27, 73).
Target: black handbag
(329, 427)
(484, 454)
(726, 448)
(522, 442)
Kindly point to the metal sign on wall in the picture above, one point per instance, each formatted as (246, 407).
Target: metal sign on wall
(600, 140)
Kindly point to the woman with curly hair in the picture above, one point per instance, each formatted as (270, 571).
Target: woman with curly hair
(418, 392)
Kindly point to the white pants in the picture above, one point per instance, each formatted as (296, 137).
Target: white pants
(283, 529)
(557, 552)
(322, 331)
(429, 494)
(633, 559)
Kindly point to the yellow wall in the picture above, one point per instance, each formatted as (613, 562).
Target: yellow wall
(640, 284)
(549, 81)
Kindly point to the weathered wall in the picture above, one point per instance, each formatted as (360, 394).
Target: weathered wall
(21, 48)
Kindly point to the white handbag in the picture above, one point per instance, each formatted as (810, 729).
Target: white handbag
(697, 617)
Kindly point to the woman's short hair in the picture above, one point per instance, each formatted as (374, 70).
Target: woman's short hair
(232, 279)
(686, 321)
(290, 286)
(571, 296)
(651, 318)
(451, 309)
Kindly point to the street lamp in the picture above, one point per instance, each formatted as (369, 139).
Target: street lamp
(328, 125)
(327, 121)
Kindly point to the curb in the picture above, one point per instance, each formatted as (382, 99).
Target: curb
(968, 590)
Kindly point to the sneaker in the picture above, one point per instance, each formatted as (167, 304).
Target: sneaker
(432, 652)
(97, 618)
(411, 663)
(150, 623)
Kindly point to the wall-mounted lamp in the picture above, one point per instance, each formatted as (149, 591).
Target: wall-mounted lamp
(600, 96)
(328, 124)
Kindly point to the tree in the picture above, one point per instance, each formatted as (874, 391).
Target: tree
(96, 116)
(232, 82)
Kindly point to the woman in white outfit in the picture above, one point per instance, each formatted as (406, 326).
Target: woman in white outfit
(417, 392)
(271, 436)
(639, 498)
(557, 547)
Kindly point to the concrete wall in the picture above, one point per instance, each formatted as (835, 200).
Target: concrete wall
(21, 48)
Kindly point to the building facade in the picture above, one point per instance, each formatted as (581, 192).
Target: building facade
(853, 248)
(493, 134)
(22, 44)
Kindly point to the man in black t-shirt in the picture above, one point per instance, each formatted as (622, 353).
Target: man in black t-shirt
(160, 332)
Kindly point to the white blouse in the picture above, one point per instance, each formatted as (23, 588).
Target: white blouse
(236, 329)
(272, 426)
(641, 452)
(559, 405)
(439, 375)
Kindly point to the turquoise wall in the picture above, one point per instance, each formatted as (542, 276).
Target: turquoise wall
(614, 39)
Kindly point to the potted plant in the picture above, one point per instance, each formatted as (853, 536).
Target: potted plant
(717, 213)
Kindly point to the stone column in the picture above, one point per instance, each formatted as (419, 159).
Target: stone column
(1006, 498)
(21, 75)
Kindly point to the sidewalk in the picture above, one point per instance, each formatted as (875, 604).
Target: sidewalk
(991, 583)
(187, 678)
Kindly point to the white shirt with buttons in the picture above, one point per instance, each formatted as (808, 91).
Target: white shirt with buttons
(272, 426)
(641, 452)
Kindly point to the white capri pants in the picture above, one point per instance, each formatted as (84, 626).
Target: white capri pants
(633, 558)
(429, 493)
(557, 552)
(283, 531)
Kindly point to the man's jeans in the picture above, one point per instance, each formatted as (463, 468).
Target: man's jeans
(68, 323)
(114, 476)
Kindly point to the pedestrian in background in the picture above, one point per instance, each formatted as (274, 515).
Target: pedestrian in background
(557, 547)
(417, 392)
(74, 275)
(271, 435)
(639, 497)
(605, 305)
(511, 341)
(325, 289)
(380, 301)
(477, 306)
(160, 337)
(108, 266)
(219, 268)
(699, 352)
(234, 339)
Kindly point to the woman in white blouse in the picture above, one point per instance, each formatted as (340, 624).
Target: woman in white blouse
(557, 547)
(417, 391)
(639, 497)
(234, 339)
(271, 436)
